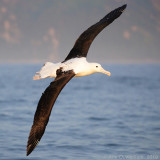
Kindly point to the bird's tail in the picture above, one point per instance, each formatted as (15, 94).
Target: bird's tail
(36, 77)
(46, 71)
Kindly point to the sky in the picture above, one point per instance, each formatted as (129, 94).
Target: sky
(36, 31)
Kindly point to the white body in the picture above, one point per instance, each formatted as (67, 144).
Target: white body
(79, 65)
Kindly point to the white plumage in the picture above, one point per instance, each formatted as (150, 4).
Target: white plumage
(80, 66)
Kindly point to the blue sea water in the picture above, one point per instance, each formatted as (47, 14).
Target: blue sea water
(95, 117)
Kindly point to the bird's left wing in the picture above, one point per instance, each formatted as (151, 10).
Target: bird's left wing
(82, 45)
(44, 108)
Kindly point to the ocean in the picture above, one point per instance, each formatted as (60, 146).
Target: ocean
(94, 118)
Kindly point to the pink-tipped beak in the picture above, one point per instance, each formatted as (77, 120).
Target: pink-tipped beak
(105, 72)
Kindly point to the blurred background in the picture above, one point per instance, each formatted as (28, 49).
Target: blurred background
(46, 30)
(95, 117)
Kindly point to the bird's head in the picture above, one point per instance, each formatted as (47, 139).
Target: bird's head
(98, 68)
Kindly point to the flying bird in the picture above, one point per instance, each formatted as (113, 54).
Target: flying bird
(74, 65)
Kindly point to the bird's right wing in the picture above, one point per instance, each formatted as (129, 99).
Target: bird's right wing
(45, 106)
(81, 47)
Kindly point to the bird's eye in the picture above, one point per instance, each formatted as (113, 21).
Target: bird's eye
(96, 66)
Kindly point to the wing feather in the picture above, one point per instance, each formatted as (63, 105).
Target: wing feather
(82, 45)
(44, 108)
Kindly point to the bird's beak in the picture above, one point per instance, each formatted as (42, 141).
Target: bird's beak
(105, 72)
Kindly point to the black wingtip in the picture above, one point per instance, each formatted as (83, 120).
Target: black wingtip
(29, 150)
(114, 14)
(123, 7)
(31, 147)
(27, 154)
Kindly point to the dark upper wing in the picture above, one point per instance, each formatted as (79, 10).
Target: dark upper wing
(83, 43)
(44, 108)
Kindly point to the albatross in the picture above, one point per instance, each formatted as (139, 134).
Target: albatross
(74, 65)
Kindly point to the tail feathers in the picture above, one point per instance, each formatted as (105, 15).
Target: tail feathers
(37, 77)
(46, 71)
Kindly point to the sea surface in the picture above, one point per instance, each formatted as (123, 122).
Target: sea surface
(95, 117)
